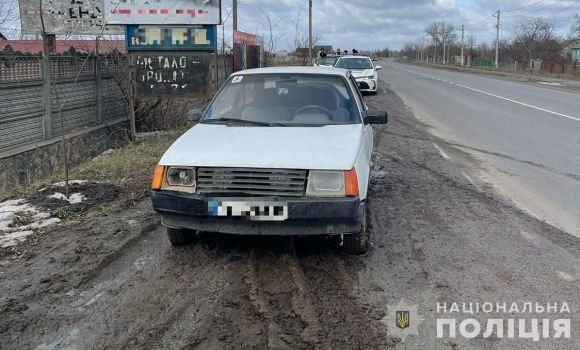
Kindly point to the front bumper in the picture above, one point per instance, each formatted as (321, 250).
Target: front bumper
(371, 85)
(306, 216)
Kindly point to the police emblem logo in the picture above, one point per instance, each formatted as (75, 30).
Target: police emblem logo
(402, 319)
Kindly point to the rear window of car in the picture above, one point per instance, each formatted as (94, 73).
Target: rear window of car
(354, 63)
(292, 99)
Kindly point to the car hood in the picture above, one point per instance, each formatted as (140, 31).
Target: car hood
(359, 73)
(332, 147)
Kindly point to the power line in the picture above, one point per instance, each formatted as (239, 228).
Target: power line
(557, 2)
(521, 8)
(469, 25)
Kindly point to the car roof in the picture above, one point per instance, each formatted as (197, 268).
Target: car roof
(354, 56)
(294, 70)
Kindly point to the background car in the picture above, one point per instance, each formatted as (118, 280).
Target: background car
(328, 61)
(278, 151)
(363, 70)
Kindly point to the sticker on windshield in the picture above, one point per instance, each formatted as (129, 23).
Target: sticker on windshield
(237, 79)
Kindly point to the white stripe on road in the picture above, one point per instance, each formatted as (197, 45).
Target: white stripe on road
(500, 97)
(472, 182)
(529, 237)
(565, 276)
(443, 154)
(520, 103)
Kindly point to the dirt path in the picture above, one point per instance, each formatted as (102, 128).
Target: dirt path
(436, 237)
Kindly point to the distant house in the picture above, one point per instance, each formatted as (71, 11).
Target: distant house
(84, 46)
(302, 52)
(571, 49)
(282, 55)
(328, 48)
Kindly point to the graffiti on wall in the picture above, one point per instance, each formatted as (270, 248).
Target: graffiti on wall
(171, 74)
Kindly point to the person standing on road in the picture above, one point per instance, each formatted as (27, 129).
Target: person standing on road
(319, 54)
(323, 54)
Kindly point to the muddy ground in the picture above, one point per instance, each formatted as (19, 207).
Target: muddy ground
(116, 283)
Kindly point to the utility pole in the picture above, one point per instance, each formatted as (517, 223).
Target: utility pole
(462, 45)
(497, 42)
(444, 43)
(310, 32)
(235, 14)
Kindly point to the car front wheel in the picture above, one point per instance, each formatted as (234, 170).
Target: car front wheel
(356, 243)
(178, 237)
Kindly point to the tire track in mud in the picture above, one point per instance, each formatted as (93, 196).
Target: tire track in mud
(292, 294)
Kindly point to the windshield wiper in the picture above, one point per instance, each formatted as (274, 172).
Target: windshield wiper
(242, 121)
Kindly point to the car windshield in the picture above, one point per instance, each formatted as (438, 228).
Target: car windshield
(327, 61)
(284, 100)
(354, 63)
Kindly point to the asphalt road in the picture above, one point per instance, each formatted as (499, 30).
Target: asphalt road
(526, 136)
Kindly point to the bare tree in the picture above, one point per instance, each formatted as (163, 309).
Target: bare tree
(274, 33)
(575, 27)
(8, 16)
(434, 32)
(442, 33)
(530, 35)
(223, 40)
(300, 40)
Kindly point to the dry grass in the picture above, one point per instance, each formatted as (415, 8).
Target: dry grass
(130, 168)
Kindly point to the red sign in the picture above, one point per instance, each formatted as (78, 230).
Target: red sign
(245, 38)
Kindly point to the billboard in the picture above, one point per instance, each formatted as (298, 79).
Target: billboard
(75, 17)
(172, 74)
(247, 51)
(200, 37)
(180, 12)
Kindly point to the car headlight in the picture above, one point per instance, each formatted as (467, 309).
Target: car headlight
(370, 76)
(324, 183)
(181, 176)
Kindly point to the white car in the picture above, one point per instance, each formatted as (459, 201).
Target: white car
(363, 70)
(278, 151)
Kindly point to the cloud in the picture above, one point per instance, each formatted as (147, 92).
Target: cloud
(376, 24)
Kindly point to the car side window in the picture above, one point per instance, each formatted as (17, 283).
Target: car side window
(357, 93)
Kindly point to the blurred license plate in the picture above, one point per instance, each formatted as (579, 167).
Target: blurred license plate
(253, 210)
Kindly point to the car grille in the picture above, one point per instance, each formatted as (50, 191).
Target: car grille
(267, 182)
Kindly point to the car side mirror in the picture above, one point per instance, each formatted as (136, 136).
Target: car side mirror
(375, 116)
(195, 114)
(378, 68)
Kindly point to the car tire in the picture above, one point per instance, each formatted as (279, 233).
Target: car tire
(356, 243)
(179, 237)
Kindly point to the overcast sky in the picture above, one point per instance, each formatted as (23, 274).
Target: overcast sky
(376, 24)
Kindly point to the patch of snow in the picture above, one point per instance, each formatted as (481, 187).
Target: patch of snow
(73, 198)
(104, 154)
(12, 234)
(148, 134)
(552, 83)
(70, 182)
(13, 238)
(8, 211)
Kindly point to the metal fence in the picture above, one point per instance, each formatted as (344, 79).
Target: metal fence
(29, 111)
